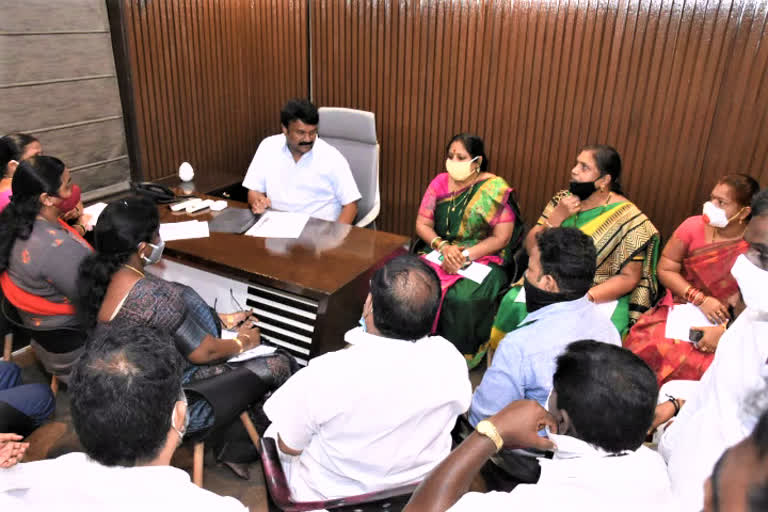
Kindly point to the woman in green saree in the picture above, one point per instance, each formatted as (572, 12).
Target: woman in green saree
(468, 215)
(627, 242)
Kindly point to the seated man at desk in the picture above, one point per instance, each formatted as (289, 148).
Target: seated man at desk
(378, 414)
(296, 171)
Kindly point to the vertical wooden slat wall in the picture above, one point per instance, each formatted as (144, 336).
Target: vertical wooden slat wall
(208, 78)
(678, 87)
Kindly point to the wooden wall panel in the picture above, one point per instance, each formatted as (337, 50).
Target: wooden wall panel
(678, 87)
(208, 78)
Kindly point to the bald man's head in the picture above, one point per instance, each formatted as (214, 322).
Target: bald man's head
(405, 295)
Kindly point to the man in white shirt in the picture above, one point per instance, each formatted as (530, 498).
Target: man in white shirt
(129, 413)
(296, 171)
(715, 418)
(602, 405)
(379, 413)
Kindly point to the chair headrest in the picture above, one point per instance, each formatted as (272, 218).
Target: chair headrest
(347, 123)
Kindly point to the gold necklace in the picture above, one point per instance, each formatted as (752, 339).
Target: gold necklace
(134, 269)
(462, 203)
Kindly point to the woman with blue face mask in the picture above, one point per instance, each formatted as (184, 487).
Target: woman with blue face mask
(695, 267)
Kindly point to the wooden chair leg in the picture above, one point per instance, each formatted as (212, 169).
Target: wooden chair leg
(8, 347)
(197, 464)
(250, 428)
(54, 385)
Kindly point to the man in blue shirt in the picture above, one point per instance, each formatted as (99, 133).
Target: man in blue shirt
(561, 269)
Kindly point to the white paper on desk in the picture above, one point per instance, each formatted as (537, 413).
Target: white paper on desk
(274, 224)
(93, 213)
(476, 272)
(261, 350)
(184, 230)
(681, 318)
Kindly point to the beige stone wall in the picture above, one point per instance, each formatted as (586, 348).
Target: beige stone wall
(58, 82)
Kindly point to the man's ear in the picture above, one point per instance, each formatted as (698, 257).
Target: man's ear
(285, 129)
(548, 283)
(564, 424)
(179, 412)
(12, 165)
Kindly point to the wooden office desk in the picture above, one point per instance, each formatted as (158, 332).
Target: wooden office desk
(307, 292)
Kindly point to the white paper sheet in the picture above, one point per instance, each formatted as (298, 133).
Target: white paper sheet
(93, 213)
(681, 318)
(184, 230)
(261, 350)
(275, 224)
(476, 272)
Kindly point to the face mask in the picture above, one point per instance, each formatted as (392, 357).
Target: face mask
(752, 281)
(715, 216)
(582, 190)
(70, 202)
(155, 255)
(362, 323)
(459, 171)
(536, 298)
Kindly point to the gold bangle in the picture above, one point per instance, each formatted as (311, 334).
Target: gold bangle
(432, 243)
(247, 336)
(239, 344)
(441, 245)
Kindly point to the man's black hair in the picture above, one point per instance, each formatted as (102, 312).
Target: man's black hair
(569, 256)
(300, 109)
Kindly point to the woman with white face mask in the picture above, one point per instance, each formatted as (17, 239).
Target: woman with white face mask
(695, 267)
(468, 215)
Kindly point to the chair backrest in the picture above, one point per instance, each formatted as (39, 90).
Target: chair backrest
(280, 491)
(353, 133)
(58, 341)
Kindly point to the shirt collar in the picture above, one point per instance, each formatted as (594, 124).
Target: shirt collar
(568, 447)
(357, 336)
(557, 308)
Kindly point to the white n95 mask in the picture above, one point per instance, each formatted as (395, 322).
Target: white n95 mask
(753, 283)
(459, 171)
(714, 216)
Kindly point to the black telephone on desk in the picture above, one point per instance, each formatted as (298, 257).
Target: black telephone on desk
(158, 193)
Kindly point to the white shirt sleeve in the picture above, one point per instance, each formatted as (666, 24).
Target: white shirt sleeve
(345, 188)
(495, 500)
(290, 409)
(255, 177)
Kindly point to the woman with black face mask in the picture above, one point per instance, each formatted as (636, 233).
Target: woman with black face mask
(626, 241)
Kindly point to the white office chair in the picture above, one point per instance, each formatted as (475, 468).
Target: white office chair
(353, 133)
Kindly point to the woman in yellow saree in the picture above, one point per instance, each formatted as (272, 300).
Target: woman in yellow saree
(627, 242)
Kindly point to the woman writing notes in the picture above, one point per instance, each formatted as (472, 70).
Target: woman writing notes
(695, 267)
(468, 215)
(626, 241)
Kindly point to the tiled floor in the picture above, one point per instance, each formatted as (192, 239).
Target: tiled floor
(57, 438)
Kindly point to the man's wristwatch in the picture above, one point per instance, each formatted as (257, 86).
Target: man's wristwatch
(488, 429)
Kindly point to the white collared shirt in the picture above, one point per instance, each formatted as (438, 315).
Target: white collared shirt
(77, 483)
(319, 184)
(715, 417)
(582, 477)
(373, 416)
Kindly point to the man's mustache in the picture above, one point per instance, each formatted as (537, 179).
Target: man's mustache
(306, 143)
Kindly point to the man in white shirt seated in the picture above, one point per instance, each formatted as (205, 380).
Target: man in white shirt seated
(602, 405)
(129, 412)
(714, 417)
(561, 268)
(379, 413)
(296, 171)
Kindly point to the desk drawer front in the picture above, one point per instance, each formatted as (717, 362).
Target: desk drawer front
(286, 320)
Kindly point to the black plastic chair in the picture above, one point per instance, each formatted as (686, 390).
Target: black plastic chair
(58, 341)
(229, 394)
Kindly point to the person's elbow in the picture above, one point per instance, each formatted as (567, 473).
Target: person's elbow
(287, 449)
(348, 213)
